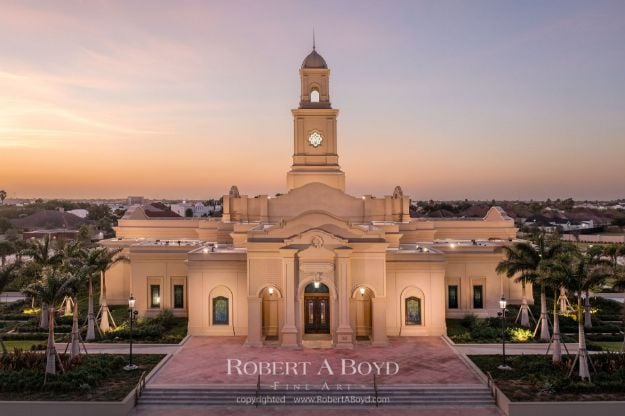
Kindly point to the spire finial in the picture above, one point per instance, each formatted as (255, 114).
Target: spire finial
(313, 38)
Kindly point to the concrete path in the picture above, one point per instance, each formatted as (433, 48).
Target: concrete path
(123, 348)
(511, 349)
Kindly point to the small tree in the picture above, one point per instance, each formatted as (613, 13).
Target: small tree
(52, 286)
(104, 260)
(3, 195)
(42, 254)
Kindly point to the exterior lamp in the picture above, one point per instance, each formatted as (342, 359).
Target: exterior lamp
(362, 291)
(452, 245)
(316, 284)
(271, 291)
(425, 249)
(132, 313)
(205, 250)
(502, 304)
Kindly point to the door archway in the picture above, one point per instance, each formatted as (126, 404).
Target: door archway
(316, 309)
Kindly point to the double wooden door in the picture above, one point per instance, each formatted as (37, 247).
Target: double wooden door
(317, 315)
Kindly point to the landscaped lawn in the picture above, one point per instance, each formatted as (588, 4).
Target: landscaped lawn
(24, 345)
(96, 377)
(536, 378)
(609, 345)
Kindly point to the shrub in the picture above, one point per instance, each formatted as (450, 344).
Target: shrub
(469, 321)
(518, 334)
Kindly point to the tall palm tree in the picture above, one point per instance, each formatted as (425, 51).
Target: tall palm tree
(51, 287)
(578, 272)
(106, 260)
(73, 255)
(91, 261)
(42, 253)
(517, 264)
(80, 277)
(7, 274)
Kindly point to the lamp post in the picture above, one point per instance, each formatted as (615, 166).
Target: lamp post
(132, 314)
(502, 314)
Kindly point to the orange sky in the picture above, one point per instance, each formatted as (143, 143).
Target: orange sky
(185, 99)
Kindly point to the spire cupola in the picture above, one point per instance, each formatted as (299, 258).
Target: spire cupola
(315, 79)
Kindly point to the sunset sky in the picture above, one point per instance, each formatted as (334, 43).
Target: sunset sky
(182, 99)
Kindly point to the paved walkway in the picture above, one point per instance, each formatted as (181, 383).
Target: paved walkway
(226, 360)
(511, 349)
(110, 348)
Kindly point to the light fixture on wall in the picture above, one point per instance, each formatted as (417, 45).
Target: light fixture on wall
(317, 282)
(270, 291)
(452, 245)
(205, 250)
(362, 291)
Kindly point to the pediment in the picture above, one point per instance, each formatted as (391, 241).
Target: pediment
(316, 238)
(315, 197)
(319, 220)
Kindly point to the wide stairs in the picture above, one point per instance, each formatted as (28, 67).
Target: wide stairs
(440, 395)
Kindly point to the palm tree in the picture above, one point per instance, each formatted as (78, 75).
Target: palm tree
(106, 259)
(578, 272)
(7, 274)
(91, 261)
(52, 286)
(3, 195)
(42, 254)
(81, 275)
(73, 255)
(516, 263)
(525, 259)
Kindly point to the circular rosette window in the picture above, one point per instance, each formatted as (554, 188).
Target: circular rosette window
(315, 138)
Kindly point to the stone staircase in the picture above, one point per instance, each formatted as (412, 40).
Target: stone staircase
(456, 395)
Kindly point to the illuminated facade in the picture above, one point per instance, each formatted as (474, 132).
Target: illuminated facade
(314, 263)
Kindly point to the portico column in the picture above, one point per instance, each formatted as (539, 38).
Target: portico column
(254, 321)
(289, 331)
(378, 321)
(344, 333)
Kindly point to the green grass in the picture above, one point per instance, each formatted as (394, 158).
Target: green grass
(609, 346)
(24, 345)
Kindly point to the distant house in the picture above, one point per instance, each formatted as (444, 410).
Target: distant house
(50, 220)
(197, 208)
(80, 213)
(54, 233)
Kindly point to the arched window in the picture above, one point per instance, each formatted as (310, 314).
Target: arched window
(314, 96)
(220, 311)
(413, 311)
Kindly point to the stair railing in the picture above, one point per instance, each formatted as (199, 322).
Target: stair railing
(375, 389)
(140, 387)
(257, 392)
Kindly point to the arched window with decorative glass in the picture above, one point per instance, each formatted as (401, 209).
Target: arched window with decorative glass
(413, 311)
(221, 311)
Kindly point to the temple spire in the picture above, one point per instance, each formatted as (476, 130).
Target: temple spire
(313, 39)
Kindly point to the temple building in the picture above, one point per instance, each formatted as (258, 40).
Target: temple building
(314, 263)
